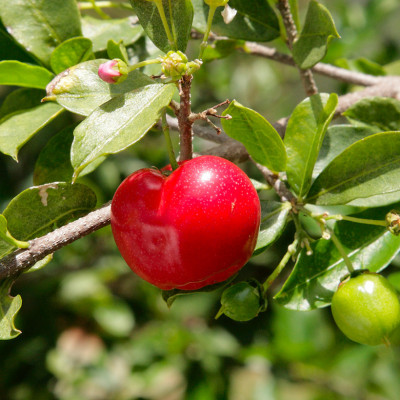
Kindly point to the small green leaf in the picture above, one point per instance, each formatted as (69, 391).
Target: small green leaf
(337, 139)
(100, 31)
(380, 112)
(9, 307)
(315, 277)
(259, 137)
(20, 74)
(16, 129)
(317, 32)
(255, 20)
(359, 173)
(41, 26)
(274, 216)
(71, 52)
(119, 123)
(117, 50)
(41, 209)
(179, 15)
(40, 264)
(303, 138)
(7, 237)
(80, 89)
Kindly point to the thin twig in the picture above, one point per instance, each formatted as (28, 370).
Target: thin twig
(291, 31)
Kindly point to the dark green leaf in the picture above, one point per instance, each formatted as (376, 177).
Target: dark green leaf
(255, 20)
(303, 139)
(19, 74)
(54, 161)
(337, 139)
(380, 112)
(71, 52)
(179, 15)
(40, 26)
(314, 38)
(100, 31)
(16, 129)
(259, 137)
(5, 235)
(274, 216)
(119, 123)
(21, 99)
(80, 89)
(315, 278)
(359, 173)
(9, 307)
(41, 209)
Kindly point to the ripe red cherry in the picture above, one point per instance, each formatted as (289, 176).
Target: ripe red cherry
(195, 227)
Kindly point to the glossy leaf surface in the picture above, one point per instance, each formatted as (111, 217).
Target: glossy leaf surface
(255, 20)
(303, 138)
(9, 307)
(274, 216)
(16, 73)
(359, 173)
(119, 123)
(40, 209)
(40, 25)
(259, 137)
(71, 52)
(80, 89)
(315, 278)
(179, 15)
(318, 30)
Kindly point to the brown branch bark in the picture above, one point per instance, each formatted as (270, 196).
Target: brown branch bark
(291, 31)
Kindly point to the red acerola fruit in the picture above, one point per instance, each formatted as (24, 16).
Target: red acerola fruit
(196, 227)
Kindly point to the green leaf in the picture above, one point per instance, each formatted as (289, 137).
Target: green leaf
(274, 216)
(17, 73)
(337, 139)
(7, 237)
(100, 31)
(117, 50)
(315, 278)
(54, 161)
(220, 49)
(367, 168)
(315, 36)
(361, 65)
(16, 129)
(80, 89)
(380, 112)
(41, 26)
(119, 123)
(21, 99)
(255, 20)
(9, 307)
(71, 52)
(41, 209)
(303, 138)
(259, 137)
(179, 15)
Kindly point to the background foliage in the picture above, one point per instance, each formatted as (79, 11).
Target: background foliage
(93, 330)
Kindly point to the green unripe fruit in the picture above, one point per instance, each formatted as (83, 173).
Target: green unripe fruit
(366, 309)
(241, 302)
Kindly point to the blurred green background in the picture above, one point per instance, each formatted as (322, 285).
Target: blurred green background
(92, 330)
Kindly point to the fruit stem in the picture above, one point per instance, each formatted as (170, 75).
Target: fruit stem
(98, 10)
(340, 217)
(204, 43)
(165, 129)
(292, 249)
(144, 63)
(342, 251)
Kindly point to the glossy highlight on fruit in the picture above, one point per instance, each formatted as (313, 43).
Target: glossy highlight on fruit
(196, 227)
(366, 309)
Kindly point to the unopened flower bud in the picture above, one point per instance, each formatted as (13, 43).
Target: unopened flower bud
(113, 71)
(393, 222)
(216, 3)
(174, 64)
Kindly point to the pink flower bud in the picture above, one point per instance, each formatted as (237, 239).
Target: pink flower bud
(113, 71)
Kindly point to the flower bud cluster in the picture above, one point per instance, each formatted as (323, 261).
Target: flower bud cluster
(175, 64)
(393, 222)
